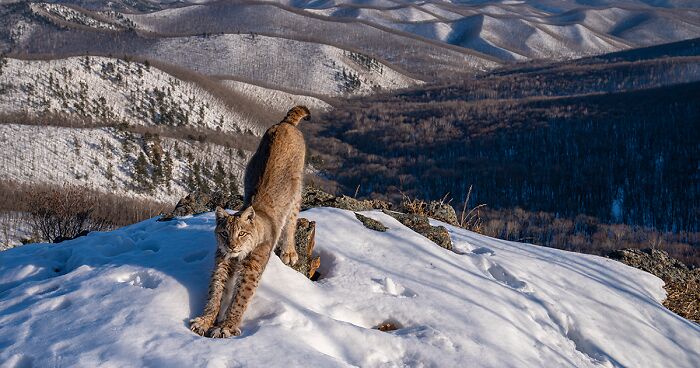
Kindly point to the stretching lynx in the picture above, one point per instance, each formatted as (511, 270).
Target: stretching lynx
(273, 181)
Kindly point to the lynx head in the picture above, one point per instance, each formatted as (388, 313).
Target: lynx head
(296, 114)
(236, 235)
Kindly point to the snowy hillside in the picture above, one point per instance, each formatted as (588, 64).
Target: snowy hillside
(106, 159)
(124, 298)
(113, 90)
(308, 67)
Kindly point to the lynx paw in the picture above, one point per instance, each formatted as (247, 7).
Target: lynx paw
(199, 326)
(290, 257)
(223, 332)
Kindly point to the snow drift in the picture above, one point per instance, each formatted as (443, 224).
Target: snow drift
(124, 298)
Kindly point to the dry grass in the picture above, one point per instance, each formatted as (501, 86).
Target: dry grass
(414, 206)
(470, 218)
(683, 298)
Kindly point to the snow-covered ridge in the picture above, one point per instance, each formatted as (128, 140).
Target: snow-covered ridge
(108, 90)
(504, 30)
(125, 297)
(66, 14)
(313, 68)
(276, 100)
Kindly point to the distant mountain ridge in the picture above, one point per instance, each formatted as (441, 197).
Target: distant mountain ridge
(421, 40)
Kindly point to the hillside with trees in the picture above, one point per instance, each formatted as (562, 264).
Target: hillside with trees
(614, 139)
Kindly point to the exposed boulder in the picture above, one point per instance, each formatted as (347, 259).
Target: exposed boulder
(656, 262)
(304, 239)
(370, 223)
(421, 225)
(314, 197)
(200, 202)
(442, 212)
(438, 210)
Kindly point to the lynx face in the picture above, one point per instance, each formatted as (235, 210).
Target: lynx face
(236, 235)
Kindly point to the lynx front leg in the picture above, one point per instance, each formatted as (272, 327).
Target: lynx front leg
(253, 267)
(222, 270)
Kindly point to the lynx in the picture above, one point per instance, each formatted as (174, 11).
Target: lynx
(272, 200)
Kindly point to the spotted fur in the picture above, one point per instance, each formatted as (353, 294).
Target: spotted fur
(245, 240)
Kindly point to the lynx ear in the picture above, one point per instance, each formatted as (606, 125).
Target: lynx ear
(248, 214)
(221, 213)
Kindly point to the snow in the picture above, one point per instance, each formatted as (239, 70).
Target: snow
(310, 67)
(67, 14)
(124, 299)
(276, 100)
(127, 87)
(104, 159)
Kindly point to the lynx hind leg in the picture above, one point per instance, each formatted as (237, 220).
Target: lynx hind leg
(222, 271)
(288, 252)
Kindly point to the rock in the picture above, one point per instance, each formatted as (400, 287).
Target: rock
(656, 262)
(421, 225)
(370, 223)
(314, 197)
(442, 212)
(200, 202)
(349, 203)
(386, 327)
(438, 210)
(60, 239)
(379, 204)
(304, 239)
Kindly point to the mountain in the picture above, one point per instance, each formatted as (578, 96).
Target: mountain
(422, 40)
(125, 297)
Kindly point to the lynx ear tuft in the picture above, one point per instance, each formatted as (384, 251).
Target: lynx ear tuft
(221, 213)
(248, 214)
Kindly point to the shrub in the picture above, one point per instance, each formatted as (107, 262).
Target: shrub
(65, 213)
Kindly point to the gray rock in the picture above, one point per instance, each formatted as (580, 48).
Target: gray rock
(442, 212)
(421, 225)
(199, 202)
(370, 223)
(314, 197)
(657, 263)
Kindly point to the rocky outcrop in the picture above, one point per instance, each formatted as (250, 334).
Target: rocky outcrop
(442, 212)
(314, 197)
(438, 210)
(682, 284)
(370, 223)
(200, 202)
(421, 225)
(656, 262)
